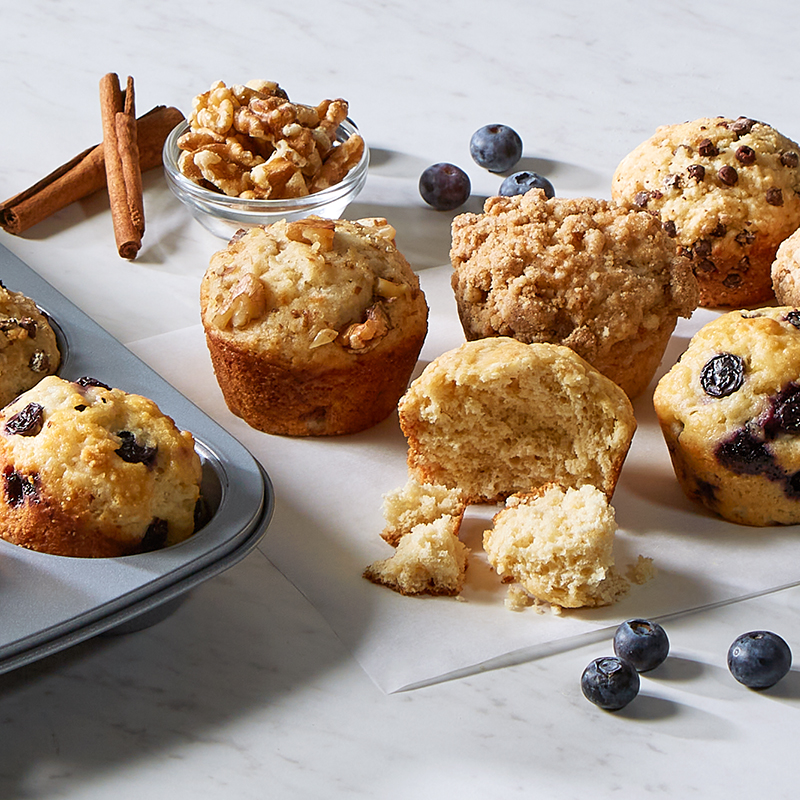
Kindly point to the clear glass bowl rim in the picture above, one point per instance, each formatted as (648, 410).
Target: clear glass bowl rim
(352, 182)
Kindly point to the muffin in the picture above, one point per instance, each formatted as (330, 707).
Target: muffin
(496, 416)
(558, 545)
(313, 326)
(28, 346)
(89, 471)
(730, 414)
(786, 271)
(726, 190)
(599, 278)
(429, 559)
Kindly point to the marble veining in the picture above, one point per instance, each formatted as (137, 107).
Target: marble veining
(245, 692)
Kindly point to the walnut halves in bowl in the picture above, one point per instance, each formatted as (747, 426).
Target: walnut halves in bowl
(313, 326)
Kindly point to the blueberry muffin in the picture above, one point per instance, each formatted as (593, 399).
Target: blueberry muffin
(726, 190)
(28, 346)
(730, 414)
(497, 416)
(558, 544)
(313, 326)
(599, 278)
(89, 471)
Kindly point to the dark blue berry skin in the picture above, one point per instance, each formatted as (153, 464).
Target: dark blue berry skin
(521, 182)
(495, 147)
(444, 186)
(642, 643)
(610, 683)
(759, 659)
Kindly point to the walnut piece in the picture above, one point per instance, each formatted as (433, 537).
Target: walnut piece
(251, 141)
(363, 336)
(246, 301)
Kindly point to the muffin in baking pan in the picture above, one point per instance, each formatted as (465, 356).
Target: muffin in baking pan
(91, 471)
(29, 348)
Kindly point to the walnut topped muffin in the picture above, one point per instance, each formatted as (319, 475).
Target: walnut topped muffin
(584, 273)
(313, 326)
(726, 190)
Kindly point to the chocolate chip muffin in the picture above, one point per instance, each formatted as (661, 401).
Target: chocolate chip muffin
(599, 278)
(313, 326)
(28, 345)
(497, 416)
(558, 544)
(726, 190)
(730, 414)
(89, 471)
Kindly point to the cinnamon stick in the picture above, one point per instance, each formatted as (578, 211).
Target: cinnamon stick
(85, 174)
(120, 157)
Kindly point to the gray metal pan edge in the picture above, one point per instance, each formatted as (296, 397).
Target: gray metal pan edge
(50, 602)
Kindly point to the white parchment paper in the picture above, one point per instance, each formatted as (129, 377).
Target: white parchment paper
(327, 522)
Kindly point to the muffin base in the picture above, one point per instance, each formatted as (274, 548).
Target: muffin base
(312, 401)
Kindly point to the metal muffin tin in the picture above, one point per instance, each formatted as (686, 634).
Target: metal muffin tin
(52, 602)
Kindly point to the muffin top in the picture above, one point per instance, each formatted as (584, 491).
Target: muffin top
(313, 291)
(739, 374)
(716, 183)
(100, 454)
(28, 347)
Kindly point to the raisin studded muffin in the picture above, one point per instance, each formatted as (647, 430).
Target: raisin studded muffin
(726, 190)
(589, 274)
(28, 346)
(497, 416)
(558, 544)
(313, 326)
(730, 414)
(90, 471)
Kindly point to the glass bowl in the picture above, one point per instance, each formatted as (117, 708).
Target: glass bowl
(223, 215)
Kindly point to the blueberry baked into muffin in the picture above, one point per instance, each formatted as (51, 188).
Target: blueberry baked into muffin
(90, 471)
(730, 414)
(28, 345)
(313, 326)
(597, 277)
(726, 190)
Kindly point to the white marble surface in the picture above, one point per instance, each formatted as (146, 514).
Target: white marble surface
(245, 691)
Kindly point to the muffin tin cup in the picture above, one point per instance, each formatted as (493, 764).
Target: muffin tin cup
(52, 602)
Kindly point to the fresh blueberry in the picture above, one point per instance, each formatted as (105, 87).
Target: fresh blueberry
(495, 147)
(642, 643)
(444, 186)
(759, 659)
(521, 182)
(610, 682)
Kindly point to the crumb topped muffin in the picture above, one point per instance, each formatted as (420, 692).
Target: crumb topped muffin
(28, 346)
(726, 190)
(588, 274)
(91, 471)
(313, 326)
